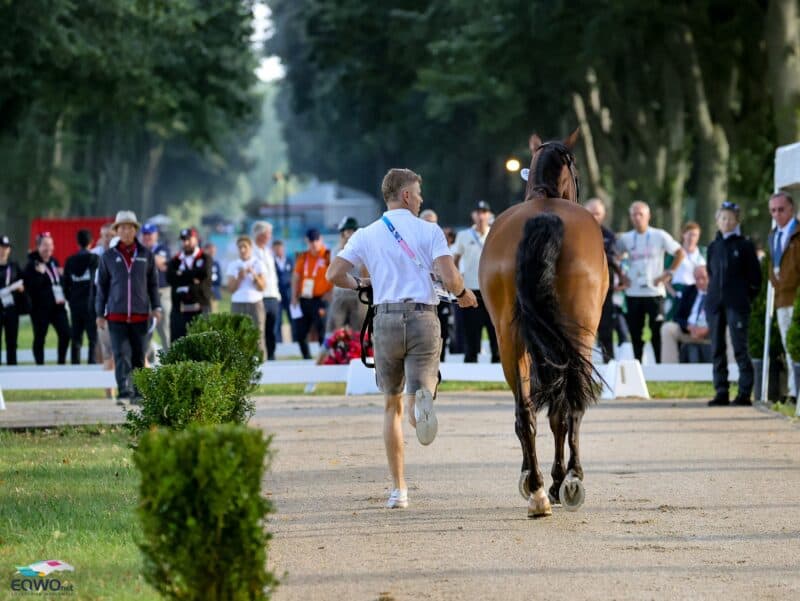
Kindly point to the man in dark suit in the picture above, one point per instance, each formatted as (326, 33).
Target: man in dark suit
(690, 325)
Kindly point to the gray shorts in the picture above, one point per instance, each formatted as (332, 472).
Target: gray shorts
(407, 342)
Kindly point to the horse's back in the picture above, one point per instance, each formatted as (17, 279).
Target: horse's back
(581, 271)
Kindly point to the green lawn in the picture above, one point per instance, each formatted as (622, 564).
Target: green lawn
(70, 494)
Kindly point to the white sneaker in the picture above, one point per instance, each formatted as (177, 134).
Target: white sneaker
(427, 424)
(398, 499)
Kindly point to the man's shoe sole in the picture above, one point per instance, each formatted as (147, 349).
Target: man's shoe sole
(427, 423)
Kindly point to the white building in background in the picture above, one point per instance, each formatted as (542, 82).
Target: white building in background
(320, 205)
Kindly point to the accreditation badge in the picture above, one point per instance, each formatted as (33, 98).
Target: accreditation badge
(307, 289)
(58, 294)
(7, 299)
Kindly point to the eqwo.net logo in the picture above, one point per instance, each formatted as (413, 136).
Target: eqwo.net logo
(36, 577)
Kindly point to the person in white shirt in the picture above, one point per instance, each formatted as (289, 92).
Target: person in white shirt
(246, 281)
(645, 247)
(467, 256)
(684, 274)
(262, 234)
(401, 253)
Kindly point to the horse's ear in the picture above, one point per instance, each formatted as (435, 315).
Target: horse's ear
(534, 142)
(572, 139)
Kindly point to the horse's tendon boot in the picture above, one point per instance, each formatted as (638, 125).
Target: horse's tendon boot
(539, 504)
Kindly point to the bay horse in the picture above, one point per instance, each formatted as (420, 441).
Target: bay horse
(544, 276)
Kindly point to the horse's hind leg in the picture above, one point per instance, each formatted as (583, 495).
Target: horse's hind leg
(538, 503)
(559, 426)
(574, 444)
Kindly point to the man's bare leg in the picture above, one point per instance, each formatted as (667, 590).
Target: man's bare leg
(393, 438)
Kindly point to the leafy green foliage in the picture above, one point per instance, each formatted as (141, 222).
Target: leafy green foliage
(755, 328)
(222, 348)
(793, 335)
(240, 327)
(100, 99)
(178, 395)
(203, 514)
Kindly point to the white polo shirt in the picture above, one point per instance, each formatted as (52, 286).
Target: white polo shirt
(270, 273)
(247, 291)
(395, 276)
(646, 254)
(469, 246)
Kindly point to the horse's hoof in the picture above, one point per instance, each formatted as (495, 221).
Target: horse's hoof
(572, 493)
(539, 505)
(554, 500)
(524, 484)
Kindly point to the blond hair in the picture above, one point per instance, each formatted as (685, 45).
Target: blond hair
(244, 240)
(395, 180)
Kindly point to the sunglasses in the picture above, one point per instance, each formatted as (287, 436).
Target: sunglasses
(730, 206)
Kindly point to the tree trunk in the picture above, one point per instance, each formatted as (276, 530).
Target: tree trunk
(712, 142)
(593, 165)
(783, 55)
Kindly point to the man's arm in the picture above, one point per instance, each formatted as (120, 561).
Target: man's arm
(339, 275)
(454, 282)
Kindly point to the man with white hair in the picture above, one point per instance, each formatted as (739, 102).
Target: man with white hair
(645, 247)
(262, 234)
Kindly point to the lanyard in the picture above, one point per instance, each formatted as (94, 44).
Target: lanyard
(646, 242)
(477, 238)
(54, 279)
(316, 265)
(8, 275)
(406, 248)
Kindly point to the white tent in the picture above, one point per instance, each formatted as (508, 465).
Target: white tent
(787, 178)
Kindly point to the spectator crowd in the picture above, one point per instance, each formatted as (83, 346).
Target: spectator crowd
(120, 290)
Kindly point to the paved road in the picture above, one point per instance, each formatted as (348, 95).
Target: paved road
(683, 502)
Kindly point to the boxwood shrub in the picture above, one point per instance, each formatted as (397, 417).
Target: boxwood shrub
(240, 327)
(223, 348)
(179, 394)
(202, 513)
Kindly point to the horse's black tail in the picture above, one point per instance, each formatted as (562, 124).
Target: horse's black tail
(561, 374)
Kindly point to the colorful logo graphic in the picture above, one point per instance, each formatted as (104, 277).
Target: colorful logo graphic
(43, 568)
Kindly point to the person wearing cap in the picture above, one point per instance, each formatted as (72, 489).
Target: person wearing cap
(189, 275)
(150, 235)
(262, 234)
(467, 256)
(645, 248)
(734, 280)
(401, 253)
(45, 286)
(246, 281)
(284, 267)
(311, 290)
(126, 300)
(14, 300)
(784, 250)
(346, 309)
(79, 273)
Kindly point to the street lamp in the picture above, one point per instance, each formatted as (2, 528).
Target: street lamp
(512, 165)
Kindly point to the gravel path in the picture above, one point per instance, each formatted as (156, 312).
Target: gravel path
(683, 502)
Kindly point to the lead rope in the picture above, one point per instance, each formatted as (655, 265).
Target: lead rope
(366, 297)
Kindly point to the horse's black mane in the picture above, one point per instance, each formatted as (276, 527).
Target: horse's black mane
(547, 170)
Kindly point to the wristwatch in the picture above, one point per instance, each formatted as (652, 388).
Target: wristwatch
(462, 293)
(358, 282)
